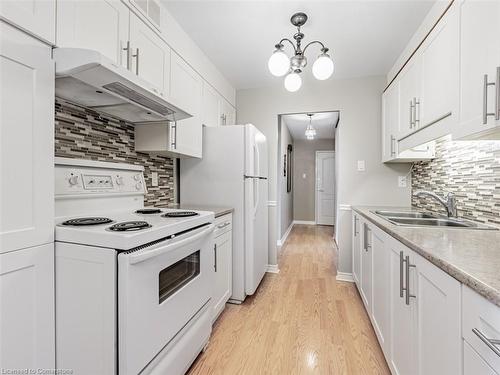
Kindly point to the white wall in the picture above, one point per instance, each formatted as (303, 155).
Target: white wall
(286, 198)
(304, 189)
(358, 138)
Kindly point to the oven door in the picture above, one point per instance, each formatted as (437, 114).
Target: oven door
(160, 288)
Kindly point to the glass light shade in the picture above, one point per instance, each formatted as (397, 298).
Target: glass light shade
(278, 63)
(310, 137)
(293, 81)
(310, 131)
(323, 67)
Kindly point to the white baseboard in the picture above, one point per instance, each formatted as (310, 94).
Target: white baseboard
(273, 268)
(305, 222)
(344, 276)
(281, 241)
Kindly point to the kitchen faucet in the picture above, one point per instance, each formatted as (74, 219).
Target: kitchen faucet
(449, 202)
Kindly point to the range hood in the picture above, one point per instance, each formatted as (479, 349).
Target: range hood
(88, 78)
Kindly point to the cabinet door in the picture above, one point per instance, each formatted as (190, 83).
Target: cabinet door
(474, 364)
(356, 249)
(479, 55)
(402, 359)
(228, 113)
(150, 56)
(439, 76)
(35, 16)
(26, 141)
(366, 267)
(185, 86)
(390, 121)
(381, 288)
(101, 25)
(223, 264)
(438, 334)
(211, 106)
(27, 308)
(409, 92)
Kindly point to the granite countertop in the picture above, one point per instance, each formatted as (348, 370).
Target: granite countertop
(218, 211)
(471, 256)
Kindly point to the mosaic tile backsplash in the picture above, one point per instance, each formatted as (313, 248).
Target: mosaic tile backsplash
(470, 170)
(84, 134)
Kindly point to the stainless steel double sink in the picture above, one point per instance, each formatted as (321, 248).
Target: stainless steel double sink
(424, 219)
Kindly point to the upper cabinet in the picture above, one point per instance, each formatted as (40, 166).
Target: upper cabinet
(227, 113)
(216, 110)
(99, 25)
(37, 17)
(479, 69)
(185, 85)
(149, 57)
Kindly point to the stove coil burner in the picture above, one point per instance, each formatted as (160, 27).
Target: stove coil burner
(127, 226)
(180, 214)
(87, 221)
(148, 211)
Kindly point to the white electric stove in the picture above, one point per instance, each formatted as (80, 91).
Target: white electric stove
(133, 284)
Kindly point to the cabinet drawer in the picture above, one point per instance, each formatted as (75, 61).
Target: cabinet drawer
(480, 322)
(223, 224)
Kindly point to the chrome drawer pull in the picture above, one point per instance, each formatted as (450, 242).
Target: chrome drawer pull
(486, 114)
(220, 226)
(490, 343)
(402, 261)
(408, 293)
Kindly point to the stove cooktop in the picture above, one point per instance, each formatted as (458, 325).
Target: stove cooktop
(128, 226)
(180, 214)
(83, 221)
(148, 211)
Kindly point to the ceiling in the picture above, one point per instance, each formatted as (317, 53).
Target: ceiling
(323, 122)
(365, 37)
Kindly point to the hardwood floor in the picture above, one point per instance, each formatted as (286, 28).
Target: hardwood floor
(300, 321)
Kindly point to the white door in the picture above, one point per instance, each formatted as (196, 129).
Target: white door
(256, 216)
(101, 25)
(26, 141)
(36, 16)
(150, 56)
(27, 320)
(325, 187)
(356, 249)
(438, 321)
(479, 56)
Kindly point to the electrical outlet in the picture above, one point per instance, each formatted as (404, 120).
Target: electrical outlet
(154, 179)
(361, 166)
(402, 181)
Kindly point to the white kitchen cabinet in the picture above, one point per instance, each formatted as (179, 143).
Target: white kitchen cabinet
(474, 364)
(150, 9)
(211, 106)
(27, 320)
(227, 113)
(100, 25)
(479, 70)
(356, 249)
(26, 141)
(37, 17)
(366, 266)
(381, 302)
(150, 56)
(223, 264)
(185, 86)
(409, 94)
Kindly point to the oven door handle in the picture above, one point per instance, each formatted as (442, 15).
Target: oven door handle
(141, 256)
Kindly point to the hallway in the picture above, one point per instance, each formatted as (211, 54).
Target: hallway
(300, 321)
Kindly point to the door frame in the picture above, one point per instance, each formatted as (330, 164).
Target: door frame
(316, 184)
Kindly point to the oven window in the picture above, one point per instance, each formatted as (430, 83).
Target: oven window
(177, 275)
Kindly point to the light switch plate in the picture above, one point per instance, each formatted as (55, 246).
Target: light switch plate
(154, 178)
(304, 176)
(402, 181)
(361, 166)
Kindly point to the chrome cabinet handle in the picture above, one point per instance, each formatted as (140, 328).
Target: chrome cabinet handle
(401, 274)
(407, 289)
(356, 226)
(393, 145)
(416, 121)
(411, 114)
(365, 237)
(215, 257)
(497, 102)
(486, 84)
(220, 226)
(127, 48)
(136, 61)
(490, 343)
(173, 128)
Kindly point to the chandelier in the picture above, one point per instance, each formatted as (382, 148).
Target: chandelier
(280, 64)
(310, 131)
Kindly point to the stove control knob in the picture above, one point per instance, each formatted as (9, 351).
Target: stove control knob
(138, 186)
(137, 177)
(73, 180)
(119, 180)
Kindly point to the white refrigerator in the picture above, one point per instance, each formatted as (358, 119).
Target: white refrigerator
(233, 173)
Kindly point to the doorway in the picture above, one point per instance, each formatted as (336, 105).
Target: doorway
(301, 137)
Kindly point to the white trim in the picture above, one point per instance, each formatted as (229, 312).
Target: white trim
(305, 222)
(345, 207)
(273, 268)
(272, 203)
(344, 276)
(281, 241)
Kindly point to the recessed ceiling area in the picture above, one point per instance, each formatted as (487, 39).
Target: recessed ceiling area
(323, 122)
(365, 37)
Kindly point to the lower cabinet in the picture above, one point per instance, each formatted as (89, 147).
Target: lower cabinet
(27, 320)
(223, 264)
(356, 249)
(414, 307)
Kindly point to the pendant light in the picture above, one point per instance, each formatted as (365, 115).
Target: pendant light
(310, 132)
